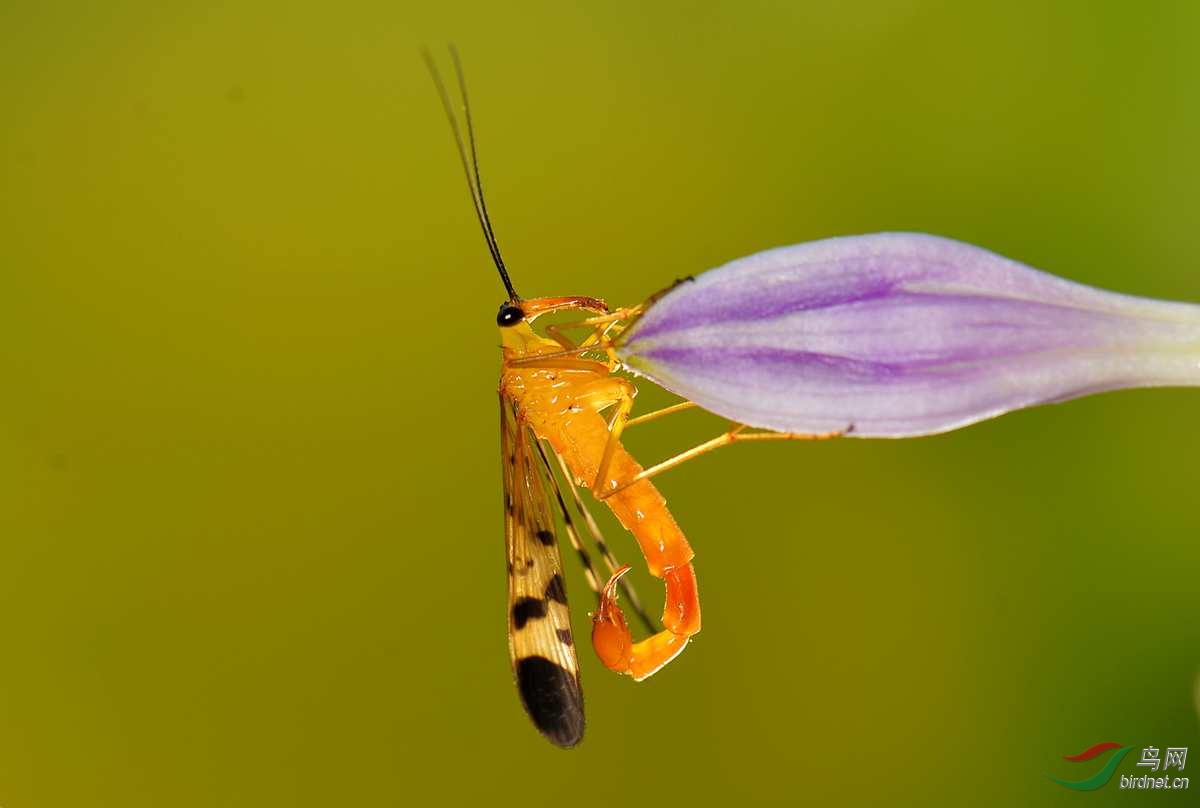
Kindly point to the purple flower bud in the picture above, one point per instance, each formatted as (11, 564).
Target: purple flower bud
(899, 335)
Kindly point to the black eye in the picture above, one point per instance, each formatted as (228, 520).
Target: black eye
(509, 315)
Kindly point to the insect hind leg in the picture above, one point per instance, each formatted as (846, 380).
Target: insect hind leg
(610, 560)
(735, 434)
(589, 571)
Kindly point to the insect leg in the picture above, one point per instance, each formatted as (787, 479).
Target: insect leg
(650, 416)
(735, 434)
(596, 341)
(610, 560)
(569, 347)
(589, 572)
(600, 327)
(616, 425)
(598, 332)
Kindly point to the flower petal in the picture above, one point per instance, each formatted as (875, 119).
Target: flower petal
(900, 334)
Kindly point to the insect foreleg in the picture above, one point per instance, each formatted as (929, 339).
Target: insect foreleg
(554, 332)
(602, 324)
(597, 340)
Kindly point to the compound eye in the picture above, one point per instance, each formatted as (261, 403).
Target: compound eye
(509, 315)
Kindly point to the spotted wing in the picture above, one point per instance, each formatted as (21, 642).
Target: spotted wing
(539, 623)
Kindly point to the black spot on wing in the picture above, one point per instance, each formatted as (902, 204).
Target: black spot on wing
(527, 609)
(545, 537)
(564, 636)
(553, 699)
(555, 589)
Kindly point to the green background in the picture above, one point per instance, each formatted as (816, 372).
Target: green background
(250, 528)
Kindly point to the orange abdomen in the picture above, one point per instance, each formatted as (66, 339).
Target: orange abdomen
(641, 510)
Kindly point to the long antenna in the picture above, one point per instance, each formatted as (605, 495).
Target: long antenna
(470, 167)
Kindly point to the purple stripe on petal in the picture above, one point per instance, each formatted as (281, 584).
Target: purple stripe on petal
(900, 334)
(773, 359)
(770, 302)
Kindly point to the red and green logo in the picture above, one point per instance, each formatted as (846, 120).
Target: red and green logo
(1099, 778)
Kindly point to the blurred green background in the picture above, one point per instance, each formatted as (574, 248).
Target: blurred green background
(250, 530)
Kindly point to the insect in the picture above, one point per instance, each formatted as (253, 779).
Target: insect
(563, 411)
(884, 335)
